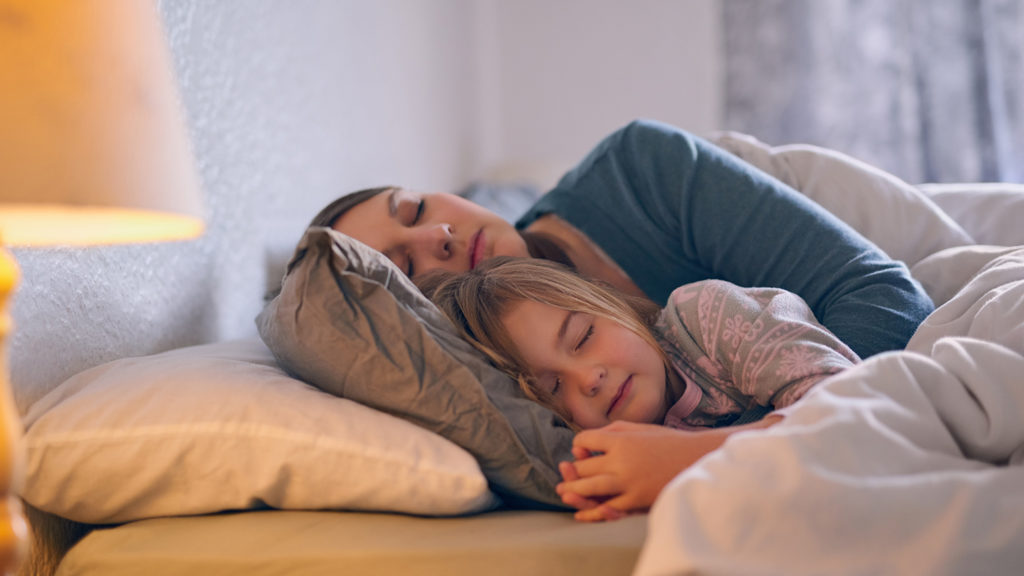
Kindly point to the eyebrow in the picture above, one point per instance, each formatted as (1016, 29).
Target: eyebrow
(565, 326)
(393, 202)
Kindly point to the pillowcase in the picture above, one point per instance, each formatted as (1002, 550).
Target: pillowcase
(221, 427)
(349, 322)
(895, 216)
(991, 212)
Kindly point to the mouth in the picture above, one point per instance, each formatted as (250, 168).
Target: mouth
(476, 249)
(620, 394)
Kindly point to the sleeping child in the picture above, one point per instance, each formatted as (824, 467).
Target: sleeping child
(649, 390)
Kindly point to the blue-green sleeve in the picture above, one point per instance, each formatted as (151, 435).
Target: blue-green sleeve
(671, 208)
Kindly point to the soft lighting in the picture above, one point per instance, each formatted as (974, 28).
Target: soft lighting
(93, 150)
(90, 118)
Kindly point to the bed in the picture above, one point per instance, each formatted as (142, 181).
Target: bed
(214, 459)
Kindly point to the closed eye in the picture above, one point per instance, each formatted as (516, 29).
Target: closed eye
(419, 211)
(584, 339)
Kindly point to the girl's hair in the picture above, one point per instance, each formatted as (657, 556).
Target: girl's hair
(476, 301)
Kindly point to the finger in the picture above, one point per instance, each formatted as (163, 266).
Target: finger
(602, 513)
(594, 486)
(593, 466)
(593, 440)
(579, 502)
(581, 453)
(568, 471)
(624, 502)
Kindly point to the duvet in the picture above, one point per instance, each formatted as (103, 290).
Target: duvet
(909, 463)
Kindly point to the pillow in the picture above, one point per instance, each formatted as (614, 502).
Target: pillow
(221, 427)
(895, 216)
(349, 322)
(991, 212)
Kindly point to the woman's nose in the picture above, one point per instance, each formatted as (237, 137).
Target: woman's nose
(435, 241)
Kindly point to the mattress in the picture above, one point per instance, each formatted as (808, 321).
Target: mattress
(318, 542)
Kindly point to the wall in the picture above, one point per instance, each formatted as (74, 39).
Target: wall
(557, 75)
(289, 105)
(292, 103)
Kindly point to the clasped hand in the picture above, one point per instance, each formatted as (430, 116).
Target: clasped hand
(622, 467)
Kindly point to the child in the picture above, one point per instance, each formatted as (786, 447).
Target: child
(614, 365)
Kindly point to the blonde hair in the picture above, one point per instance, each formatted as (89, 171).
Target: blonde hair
(476, 301)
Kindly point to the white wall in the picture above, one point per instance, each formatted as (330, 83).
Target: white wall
(294, 102)
(560, 74)
(290, 104)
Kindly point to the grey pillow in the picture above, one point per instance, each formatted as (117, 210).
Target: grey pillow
(350, 323)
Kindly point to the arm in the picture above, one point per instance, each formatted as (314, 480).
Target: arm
(753, 343)
(672, 209)
(622, 467)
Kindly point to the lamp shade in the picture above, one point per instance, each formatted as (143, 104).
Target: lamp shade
(93, 145)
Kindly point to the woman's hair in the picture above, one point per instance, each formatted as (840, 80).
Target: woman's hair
(538, 244)
(330, 213)
(476, 301)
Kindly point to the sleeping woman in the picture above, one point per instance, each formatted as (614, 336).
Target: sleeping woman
(712, 362)
(650, 208)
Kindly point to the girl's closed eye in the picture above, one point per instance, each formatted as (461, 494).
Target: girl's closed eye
(583, 340)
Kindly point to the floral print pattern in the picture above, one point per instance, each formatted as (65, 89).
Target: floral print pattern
(739, 347)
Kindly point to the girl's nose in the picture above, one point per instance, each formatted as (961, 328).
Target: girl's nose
(588, 379)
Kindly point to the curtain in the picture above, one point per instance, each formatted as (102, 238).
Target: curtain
(930, 90)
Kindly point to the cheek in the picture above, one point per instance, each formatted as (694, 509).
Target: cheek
(510, 243)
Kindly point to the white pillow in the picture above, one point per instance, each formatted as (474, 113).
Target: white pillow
(895, 216)
(991, 212)
(221, 427)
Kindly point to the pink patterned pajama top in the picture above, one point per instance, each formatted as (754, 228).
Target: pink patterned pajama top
(736, 348)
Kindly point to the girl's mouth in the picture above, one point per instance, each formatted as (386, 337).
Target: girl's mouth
(476, 249)
(622, 392)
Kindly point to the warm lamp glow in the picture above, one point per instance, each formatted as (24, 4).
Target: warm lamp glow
(93, 150)
(38, 225)
(91, 118)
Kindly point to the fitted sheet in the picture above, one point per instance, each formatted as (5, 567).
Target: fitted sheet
(270, 542)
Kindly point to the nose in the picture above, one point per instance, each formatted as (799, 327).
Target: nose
(587, 379)
(434, 241)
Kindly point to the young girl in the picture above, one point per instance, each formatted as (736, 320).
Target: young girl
(612, 365)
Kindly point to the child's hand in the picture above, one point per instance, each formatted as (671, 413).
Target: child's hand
(621, 468)
(634, 463)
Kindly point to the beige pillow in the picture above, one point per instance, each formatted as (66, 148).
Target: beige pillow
(221, 427)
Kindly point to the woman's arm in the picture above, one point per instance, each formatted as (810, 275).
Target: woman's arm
(671, 209)
(622, 467)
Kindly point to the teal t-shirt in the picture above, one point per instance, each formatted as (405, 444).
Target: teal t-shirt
(671, 208)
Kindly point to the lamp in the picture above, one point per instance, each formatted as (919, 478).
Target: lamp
(93, 150)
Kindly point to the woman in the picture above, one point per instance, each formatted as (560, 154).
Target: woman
(653, 207)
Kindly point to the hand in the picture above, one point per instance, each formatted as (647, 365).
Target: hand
(621, 468)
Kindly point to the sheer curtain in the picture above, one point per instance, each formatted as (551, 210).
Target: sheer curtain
(930, 90)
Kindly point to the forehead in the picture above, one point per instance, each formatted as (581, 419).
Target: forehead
(534, 327)
(370, 222)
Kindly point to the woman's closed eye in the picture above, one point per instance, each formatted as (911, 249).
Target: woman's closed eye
(412, 213)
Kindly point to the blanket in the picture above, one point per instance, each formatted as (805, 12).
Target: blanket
(909, 463)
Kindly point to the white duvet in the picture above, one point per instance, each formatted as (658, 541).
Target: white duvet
(909, 463)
